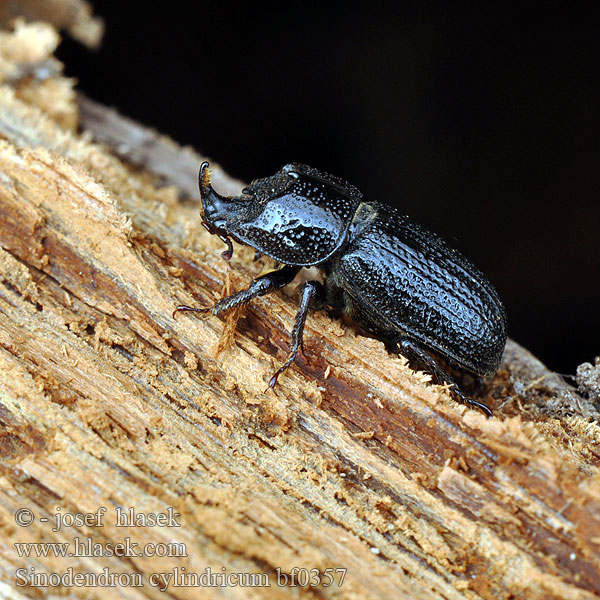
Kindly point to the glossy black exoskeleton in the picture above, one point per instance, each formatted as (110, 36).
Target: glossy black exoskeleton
(396, 279)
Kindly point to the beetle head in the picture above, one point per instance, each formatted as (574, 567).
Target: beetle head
(298, 216)
(223, 212)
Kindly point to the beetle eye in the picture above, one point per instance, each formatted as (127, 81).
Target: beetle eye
(246, 191)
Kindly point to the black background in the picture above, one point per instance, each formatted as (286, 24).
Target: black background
(483, 126)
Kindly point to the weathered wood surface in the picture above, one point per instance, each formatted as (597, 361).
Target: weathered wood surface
(353, 462)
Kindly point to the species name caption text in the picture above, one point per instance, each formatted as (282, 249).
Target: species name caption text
(86, 547)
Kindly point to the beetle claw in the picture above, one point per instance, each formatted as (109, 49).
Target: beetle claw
(279, 371)
(273, 381)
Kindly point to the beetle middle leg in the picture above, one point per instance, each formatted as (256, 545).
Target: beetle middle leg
(258, 287)
(415, 350)
(313, 294)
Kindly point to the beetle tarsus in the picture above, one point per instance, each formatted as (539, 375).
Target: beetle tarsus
(486, 410)
(441, 376)
(273, 379)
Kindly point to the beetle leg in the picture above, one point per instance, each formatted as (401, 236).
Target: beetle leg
(412, 348)
(312, 293)
(258, 287)
(227, 254)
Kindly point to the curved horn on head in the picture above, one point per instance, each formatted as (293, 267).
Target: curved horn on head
(204, 180)
(215, 207)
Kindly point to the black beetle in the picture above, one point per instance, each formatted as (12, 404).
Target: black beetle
(399, 281)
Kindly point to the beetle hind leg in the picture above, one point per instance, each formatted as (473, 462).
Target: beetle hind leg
(413, 349)
(312, 294)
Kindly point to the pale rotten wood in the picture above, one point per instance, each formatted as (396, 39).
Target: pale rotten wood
(354, 461)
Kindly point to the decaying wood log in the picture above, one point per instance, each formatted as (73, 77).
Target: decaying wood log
(353, 463)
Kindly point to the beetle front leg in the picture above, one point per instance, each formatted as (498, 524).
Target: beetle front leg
(258, 287)
(442, 377)
(227, 254)
(313, 293)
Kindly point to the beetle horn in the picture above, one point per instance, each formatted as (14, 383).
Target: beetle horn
(214, 206)
(204, 181)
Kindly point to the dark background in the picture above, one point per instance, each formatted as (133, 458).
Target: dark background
(483, 126)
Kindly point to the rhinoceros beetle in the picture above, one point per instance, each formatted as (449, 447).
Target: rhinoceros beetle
(391, 276)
